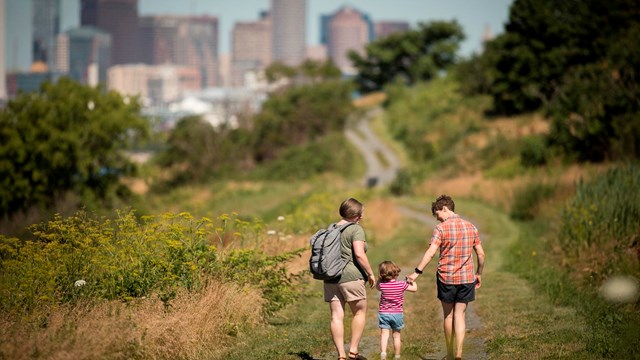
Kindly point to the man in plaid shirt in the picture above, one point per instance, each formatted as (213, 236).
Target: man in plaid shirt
(456, 281)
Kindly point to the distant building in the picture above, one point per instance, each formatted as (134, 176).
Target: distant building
(348, 30)
(119, 18)
(3, 64)
(155, 84)
(386, 28)
(289, 34)
(84, 54)
(46, 27)
(29, 81)
(317, 53)
(251, 49)
(190, 41)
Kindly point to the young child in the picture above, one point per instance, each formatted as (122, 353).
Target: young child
(390, 317)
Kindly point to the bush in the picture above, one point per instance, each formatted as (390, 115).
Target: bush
(85, 257)
(527, 200)
(533, 151)
(402, 184)
(603, 210)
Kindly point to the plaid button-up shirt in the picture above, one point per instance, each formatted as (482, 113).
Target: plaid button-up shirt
(456, 238)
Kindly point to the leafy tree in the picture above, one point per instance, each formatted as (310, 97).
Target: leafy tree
(64, 138)
(299, 114)
(577, 60)
(197, 151)
(409, 56)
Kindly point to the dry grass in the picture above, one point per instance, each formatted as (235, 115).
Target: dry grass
(500, 192)
(196, 326)
(370, 100)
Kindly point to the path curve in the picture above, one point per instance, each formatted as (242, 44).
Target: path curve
(372, 150)
(370, 146)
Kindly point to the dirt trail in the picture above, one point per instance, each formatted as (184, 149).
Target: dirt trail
(474, 346)
(369, 144)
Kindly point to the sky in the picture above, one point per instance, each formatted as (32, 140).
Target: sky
(472, 15)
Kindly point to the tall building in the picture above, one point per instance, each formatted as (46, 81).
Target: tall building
(251, 48)
(46, 27)
(3, 65)
(348, 29)
(84, 54)
(182, 40)
(289, 34)
(386, 28)
(119, 18)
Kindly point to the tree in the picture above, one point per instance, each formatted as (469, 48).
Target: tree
(410, 56)
(579, 62)
(64, 138)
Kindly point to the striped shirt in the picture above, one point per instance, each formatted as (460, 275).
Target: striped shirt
(392, 296)
(456, 238)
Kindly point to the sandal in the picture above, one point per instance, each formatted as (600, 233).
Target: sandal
(356, 356)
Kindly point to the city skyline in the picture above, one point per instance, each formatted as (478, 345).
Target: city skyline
(474, 16)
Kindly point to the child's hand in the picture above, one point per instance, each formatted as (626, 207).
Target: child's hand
(408, 280)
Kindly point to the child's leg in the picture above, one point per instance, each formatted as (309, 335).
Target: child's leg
(384, 340)
(396, 342)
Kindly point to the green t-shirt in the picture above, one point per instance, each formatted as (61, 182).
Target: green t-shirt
(352, 271)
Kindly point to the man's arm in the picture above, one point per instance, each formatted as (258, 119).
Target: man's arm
(428, 255)
(480, 257)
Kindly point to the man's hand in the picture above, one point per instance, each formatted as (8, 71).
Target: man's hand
(372, 281)
(412, 278)
(478, 281)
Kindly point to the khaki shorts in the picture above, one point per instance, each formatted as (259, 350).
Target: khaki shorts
(345, 292)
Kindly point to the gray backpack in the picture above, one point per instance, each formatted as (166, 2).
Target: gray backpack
(326, 261)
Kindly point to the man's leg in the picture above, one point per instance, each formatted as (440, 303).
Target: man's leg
(447, 311)
(359, 309)
(460, 325)
(337, 325)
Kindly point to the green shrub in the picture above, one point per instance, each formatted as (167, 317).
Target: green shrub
(402, 184)
(605, 209)
(533, 151)
(86, 257)
(527, 199)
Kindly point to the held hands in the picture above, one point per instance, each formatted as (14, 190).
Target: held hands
(412, 278)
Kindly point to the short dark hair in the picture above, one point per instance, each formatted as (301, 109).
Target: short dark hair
(441, 202)
(388, 270)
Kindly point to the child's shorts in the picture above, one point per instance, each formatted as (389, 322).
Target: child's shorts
(391, 321)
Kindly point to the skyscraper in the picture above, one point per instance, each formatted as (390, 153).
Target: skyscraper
(182, 40)
(289, 34)
(46, 26)
(88, 54)
(119, 18)
(3, 73)
(349, 30)
(251, 48)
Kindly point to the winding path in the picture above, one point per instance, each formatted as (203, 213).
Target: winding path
(372, 148)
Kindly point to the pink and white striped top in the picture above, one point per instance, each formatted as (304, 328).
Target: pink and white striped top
(392, 296)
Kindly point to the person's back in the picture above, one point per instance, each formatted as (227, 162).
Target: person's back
(455, 238)
(390, 310)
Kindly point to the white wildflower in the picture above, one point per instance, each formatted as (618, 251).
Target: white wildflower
(271, 232)
(80, 283)
(280, 218)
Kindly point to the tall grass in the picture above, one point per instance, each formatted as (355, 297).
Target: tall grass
(603, 210)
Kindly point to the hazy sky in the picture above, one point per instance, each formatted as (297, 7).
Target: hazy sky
(473, 15)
